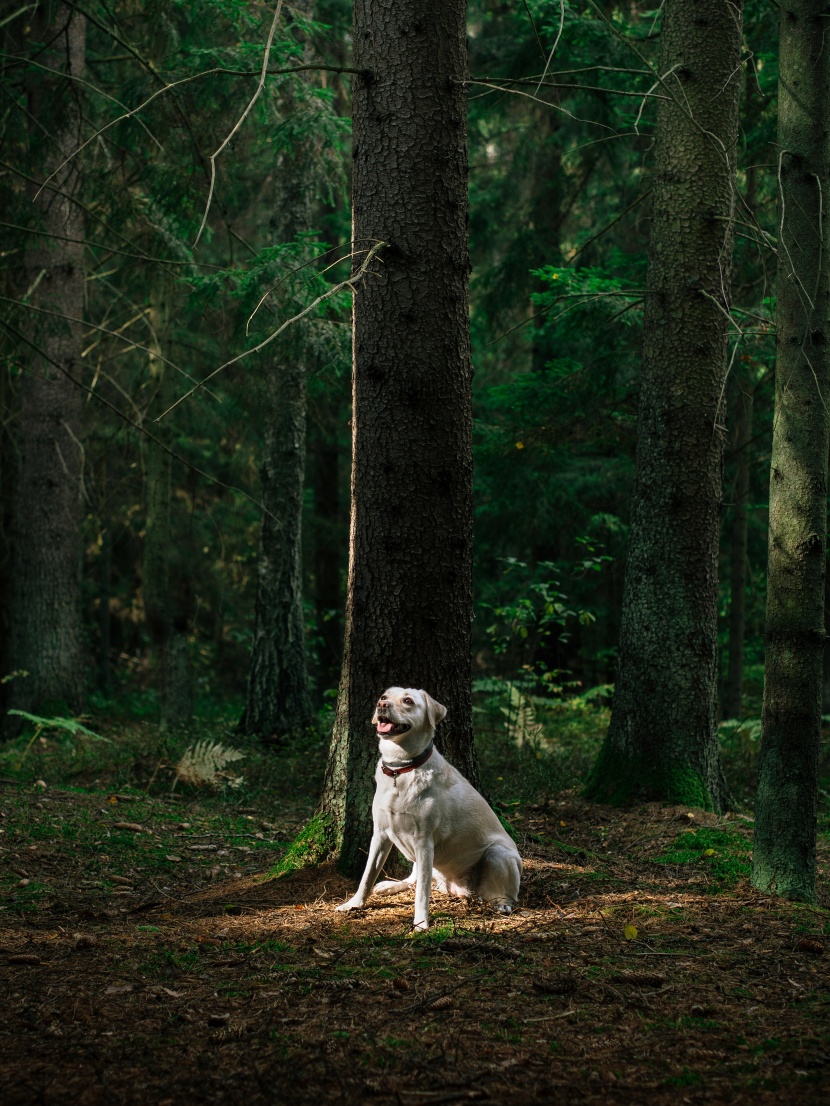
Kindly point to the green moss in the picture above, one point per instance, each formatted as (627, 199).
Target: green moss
(620, 781)
(724, 855)
(312, 845)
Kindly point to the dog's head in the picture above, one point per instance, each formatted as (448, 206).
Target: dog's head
(403, 709)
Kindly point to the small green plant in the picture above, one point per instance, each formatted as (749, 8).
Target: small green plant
(42, 725)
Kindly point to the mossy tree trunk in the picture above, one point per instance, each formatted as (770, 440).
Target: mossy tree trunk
(46, 623)
(784, 859)
(742, 444)
(662, 740)
(409, 604)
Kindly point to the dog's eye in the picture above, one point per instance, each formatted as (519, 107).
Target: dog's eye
(408, 702)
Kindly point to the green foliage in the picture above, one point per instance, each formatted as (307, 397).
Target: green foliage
(66, 725)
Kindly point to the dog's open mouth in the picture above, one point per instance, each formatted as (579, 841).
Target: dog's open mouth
(387, 728)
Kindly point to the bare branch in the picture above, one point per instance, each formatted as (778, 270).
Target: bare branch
(538, 100)
(137, 426)
(349, 283)
(103, 330)
(241, 119)
(85, 83)
(555, 44)
(109, 249)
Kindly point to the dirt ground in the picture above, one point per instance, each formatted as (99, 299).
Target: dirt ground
(145, 960)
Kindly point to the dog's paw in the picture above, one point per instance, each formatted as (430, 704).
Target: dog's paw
(352, 904)
(503, 908)
(390, 887)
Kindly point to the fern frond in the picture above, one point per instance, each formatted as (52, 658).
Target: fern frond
(203, 762)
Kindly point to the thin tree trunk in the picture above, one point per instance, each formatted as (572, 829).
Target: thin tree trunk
(733, 695)
(784, 859)
(166, 594)
(328, 596)
(105, 590)
(278, 702)
(46, 627)
(662, 741)
(409, 604)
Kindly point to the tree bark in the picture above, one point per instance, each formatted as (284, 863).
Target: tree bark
(409, 604)
(278, 702)
(742, 437)
(47, 641)
(662, 740)
(784, 859)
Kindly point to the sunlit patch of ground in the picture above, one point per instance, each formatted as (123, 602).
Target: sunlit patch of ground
(153, 965)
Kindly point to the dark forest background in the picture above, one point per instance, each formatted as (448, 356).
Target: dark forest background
(560, 194)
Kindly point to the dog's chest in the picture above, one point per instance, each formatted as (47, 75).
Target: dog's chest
(405, 800)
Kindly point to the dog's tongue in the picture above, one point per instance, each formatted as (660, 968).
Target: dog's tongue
(385, 727)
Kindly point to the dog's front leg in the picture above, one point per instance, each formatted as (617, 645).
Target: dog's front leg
(378, 852)
(424, 854)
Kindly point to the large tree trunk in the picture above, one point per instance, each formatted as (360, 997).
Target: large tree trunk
(278, 702)
(46, 626)
(409, 604)
(784, 859)
(742, 438)
(167, 605)
(662, 741)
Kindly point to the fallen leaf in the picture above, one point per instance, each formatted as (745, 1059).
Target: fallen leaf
(175, 859)
(630, 933)
(133, 827)
(118, 989)
(173, 994)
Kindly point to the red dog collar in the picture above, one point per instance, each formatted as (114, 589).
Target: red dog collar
(422, 758)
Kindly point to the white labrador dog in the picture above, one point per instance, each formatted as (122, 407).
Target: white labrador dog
(433, 815)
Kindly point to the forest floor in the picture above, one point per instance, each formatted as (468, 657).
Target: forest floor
(146, 960)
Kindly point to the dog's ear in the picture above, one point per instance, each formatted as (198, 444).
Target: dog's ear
(435, 710)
